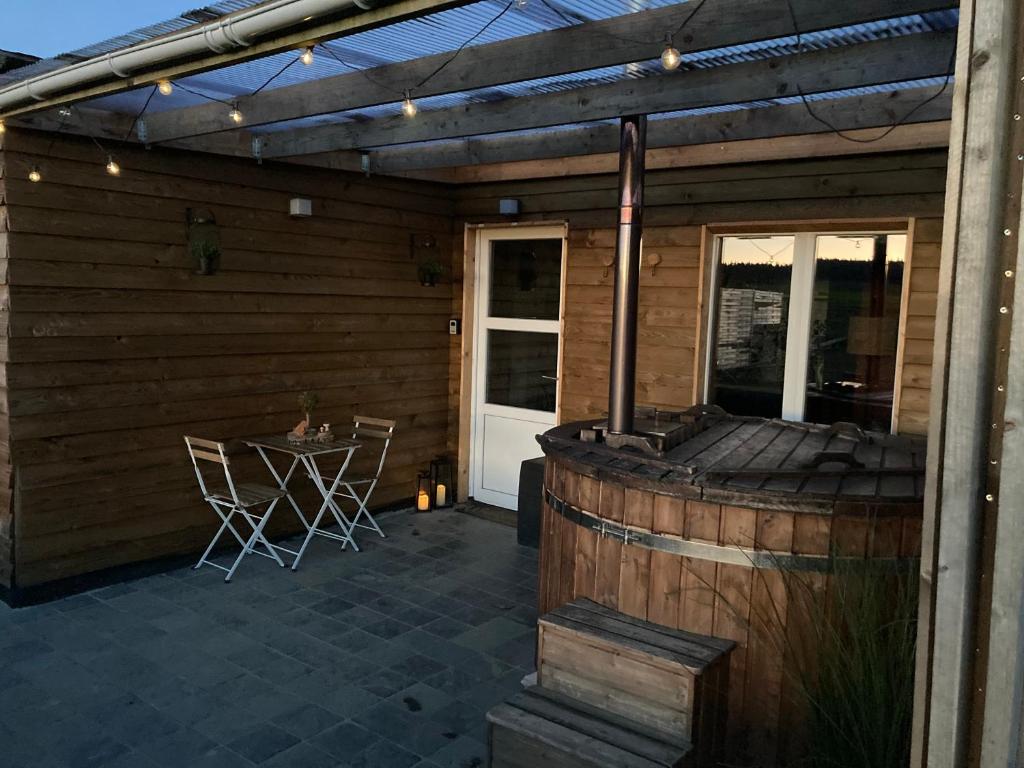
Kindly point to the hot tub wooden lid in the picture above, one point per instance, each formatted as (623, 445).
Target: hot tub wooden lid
(763, 462)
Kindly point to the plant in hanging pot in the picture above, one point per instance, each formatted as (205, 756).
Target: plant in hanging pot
(207, 256)
(429, 271)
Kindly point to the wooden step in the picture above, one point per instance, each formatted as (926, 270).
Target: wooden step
(544, 729)
(671, 682)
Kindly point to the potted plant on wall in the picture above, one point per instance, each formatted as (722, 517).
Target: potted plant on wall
(429, 271)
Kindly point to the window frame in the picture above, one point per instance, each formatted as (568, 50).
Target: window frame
(798, 328)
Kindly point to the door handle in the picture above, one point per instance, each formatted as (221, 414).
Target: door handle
(549, 378)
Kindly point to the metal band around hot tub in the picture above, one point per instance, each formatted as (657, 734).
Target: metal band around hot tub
(733, 555)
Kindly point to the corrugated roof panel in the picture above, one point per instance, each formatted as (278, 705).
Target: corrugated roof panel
(447, 30)
(705, 59)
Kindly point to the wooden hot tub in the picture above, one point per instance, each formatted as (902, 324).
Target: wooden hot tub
(695, 540)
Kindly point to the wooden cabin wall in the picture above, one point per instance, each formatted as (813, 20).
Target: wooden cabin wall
(919, 328)
(118, 348)
(6, 518)
(678, 202)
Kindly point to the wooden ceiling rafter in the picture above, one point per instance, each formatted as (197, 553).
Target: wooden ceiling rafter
(851, 113)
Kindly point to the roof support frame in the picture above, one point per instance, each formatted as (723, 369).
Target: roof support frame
(609, 42)
(897, 59)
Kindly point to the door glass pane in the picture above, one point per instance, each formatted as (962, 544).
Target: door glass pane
(521, 369)
(526, 278)
(749, 362)
(854, 326)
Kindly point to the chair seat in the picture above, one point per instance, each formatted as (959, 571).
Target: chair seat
(348, 481)
(248, 493)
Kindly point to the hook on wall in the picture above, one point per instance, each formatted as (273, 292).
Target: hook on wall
(607, 261)
(652, 260)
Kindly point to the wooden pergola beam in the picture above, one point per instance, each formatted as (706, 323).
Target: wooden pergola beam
(386, 14)
(620, 40)
(847, 114)
(882, 61)
(904, 138)
(970, 649)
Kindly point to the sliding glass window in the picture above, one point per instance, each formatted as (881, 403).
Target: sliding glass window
(806, 326)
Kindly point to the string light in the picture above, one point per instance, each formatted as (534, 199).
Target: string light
(307, 56)
(64, 112)
(670, 58)
(165, 87)
(112, 167)
(521, 4)
(408, 106)
(34, 175)
(235, 114)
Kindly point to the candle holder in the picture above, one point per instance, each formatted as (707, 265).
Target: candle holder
(423, 492)
(442, 488)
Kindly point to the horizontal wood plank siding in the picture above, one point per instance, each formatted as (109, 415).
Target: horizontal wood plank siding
(118, 347)
(6, 475)
(922, 297)
(678, 202)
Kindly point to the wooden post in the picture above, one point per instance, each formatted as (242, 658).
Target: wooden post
(966, 713)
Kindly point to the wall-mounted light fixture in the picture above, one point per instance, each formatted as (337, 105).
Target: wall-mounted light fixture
(300, 206)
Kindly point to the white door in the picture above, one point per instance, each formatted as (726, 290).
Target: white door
(516, 353)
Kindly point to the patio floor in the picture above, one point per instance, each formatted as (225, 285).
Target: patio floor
(385, 658)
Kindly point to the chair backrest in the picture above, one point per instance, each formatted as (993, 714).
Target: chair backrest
(212, 452)
(364, 427)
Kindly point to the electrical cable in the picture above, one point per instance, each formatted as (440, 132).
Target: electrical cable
(896, 123)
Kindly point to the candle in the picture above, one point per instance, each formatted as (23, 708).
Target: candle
(423, 502)
(442, 495)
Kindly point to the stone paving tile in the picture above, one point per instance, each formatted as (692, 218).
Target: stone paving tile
(306, 720)
(344, 739)
(382, 754)
(421, 697)
(386, 658)
(302, 755)
(463, 752)
(262, 742)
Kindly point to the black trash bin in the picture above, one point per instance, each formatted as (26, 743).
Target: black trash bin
(531, 492)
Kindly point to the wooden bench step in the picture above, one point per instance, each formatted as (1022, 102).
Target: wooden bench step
(539, 728)
(664, 680)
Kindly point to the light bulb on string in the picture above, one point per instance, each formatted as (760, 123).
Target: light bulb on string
(307, 56)
(34, 175)
(166, 87)
(670, 58)
(112, 167)
(408, 106)
(235, 114)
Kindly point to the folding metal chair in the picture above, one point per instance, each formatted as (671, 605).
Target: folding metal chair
(365, 428)
(230, 499)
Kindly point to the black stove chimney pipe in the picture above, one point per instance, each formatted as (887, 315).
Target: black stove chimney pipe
(622, 389)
